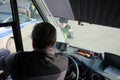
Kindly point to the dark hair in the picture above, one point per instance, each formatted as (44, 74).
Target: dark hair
(44, 35)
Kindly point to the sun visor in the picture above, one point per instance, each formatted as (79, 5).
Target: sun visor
(102, 12)
(60, 8)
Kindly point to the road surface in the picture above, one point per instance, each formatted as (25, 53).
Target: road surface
(96, 37)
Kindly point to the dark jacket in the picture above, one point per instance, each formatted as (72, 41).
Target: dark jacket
(35, 65)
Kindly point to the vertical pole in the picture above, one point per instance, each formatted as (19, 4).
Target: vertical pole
(16, 26)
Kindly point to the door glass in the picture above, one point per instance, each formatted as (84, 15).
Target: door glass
(6, 33)
(6, 39)
(5, 11)
(28, 16)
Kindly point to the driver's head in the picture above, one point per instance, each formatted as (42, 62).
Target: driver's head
(43, 35)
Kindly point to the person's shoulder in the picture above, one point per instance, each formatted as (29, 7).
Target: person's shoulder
(23, 54)
(22, 57)
(62, 56)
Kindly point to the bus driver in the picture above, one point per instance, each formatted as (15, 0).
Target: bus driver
(43, 63)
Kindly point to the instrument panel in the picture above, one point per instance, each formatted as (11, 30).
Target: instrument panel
(92, 66)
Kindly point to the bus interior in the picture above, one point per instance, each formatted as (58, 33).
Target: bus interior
(94, 50)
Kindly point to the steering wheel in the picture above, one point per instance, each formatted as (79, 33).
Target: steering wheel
(73, 70)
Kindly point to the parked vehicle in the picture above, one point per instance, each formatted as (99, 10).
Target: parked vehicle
(6, 33)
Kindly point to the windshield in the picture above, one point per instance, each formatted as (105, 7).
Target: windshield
(84, 35)
(92, 37)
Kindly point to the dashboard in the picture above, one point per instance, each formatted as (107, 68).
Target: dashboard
(93, 66)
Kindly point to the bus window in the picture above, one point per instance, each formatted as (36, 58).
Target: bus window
(28, 17)
(5, 12)
(6, 33)
(6, 39)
